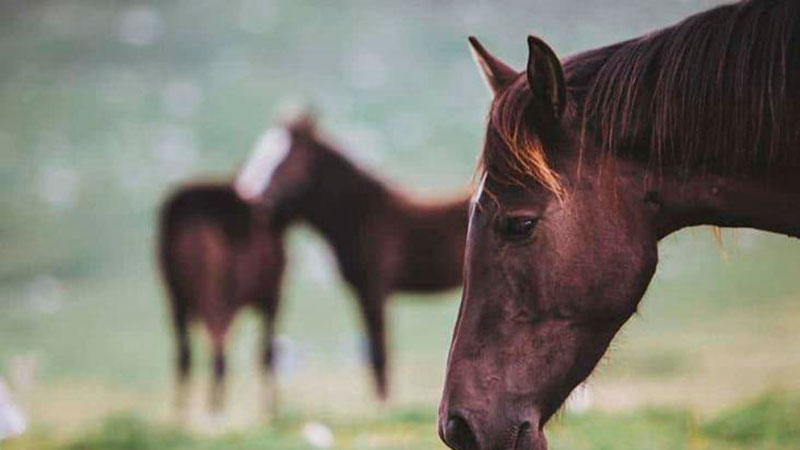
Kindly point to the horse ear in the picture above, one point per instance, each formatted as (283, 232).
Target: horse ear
(305, 122)
(300, 122)
(545, 76)
(495, 73)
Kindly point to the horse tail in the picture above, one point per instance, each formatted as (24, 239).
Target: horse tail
(169, 265)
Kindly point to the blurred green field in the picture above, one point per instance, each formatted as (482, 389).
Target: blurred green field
(105, 106)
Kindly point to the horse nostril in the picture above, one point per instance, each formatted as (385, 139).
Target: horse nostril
(458, 435)
(523, 441)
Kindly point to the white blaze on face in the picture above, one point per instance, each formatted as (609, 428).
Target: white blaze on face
(476, 198)
(267, 155)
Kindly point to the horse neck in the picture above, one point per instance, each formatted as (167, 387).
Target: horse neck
(768, 202)
(343, 197)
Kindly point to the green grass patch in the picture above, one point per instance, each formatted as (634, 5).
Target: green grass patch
(770, 422)
(773, 419)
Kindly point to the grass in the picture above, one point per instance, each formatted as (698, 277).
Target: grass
(770, 422)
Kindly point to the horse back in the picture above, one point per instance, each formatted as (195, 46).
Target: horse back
(433, 246)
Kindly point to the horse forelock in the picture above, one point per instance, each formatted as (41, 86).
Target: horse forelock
(270, 150)
(520, 154)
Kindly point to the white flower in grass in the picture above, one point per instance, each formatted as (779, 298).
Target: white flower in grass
(12, 422)
(318, 435)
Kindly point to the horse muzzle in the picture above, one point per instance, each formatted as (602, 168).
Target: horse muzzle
(459, 430)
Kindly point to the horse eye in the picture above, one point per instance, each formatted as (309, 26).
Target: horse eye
(519, 227)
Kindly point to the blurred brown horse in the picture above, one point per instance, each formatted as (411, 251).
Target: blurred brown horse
(383, 241)
(218, 254)
(586, 167)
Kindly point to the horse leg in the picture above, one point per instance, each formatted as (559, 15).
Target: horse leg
(219, 369)
(373, 312)
(183, 360)
(270, 381)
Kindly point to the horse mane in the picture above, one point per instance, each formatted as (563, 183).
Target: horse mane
(361, 179)
(709, 93)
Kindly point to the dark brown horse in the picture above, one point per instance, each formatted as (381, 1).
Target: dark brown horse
(383, 241)
(585, 167)
(218, 254)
